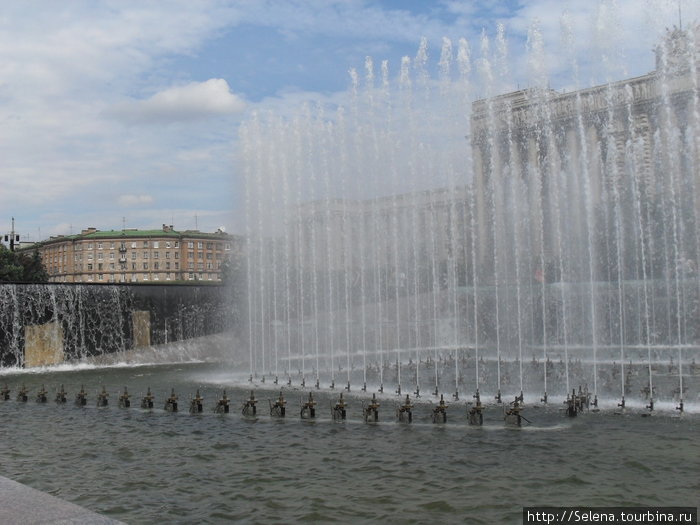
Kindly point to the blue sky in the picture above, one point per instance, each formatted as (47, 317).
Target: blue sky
(127, 112)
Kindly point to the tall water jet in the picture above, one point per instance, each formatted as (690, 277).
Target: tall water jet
(565, 226)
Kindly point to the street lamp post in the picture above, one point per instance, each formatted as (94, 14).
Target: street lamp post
(12, 237)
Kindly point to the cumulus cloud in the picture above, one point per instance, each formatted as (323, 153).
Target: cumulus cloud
(194, 101)
(130, 201)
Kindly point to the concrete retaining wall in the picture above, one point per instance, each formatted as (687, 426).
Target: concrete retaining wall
(43, 324)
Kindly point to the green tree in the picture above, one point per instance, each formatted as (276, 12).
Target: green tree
(34, 270)
(20, 267)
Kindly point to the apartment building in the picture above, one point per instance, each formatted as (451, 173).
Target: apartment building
(136, 256)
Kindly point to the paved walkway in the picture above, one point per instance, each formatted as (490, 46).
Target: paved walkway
(22, 505)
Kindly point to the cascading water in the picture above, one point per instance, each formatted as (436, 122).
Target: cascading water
(565, 229)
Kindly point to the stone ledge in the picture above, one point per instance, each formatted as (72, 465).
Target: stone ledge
(20, 504)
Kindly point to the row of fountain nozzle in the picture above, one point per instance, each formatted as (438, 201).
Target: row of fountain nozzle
(278, 408)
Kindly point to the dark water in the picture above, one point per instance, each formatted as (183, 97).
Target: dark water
(157, 467)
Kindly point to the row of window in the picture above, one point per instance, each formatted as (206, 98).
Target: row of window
(145, 244)
(152, 277)
(156, 244)
(90, 267)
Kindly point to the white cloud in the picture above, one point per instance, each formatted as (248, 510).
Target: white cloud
(194, 101)
(130, 201)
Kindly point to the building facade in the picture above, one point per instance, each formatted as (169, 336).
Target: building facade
(136, 256)
(598, 184)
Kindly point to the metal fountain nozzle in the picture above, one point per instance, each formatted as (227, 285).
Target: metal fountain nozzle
(196, 403)
(347, 387)
(398, 390)
(621, 404)
(147, 400)
(41, 395)
(81, 397)
(680, 406)
(650, 406)
(61, 395)
(499, 399)
(223, 404)
(381, 389)
(103, 398)
(171, 402)
(124, 399)
(22, 394)
(456, 395)
(543, 399)
(440, 411)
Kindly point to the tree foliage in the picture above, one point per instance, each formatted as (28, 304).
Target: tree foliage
(21, 267)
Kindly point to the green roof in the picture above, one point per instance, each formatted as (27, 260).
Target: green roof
(125, 234)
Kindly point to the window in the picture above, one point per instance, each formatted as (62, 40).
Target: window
(167, 255)
(99, 245)
(190, 255)
(155, 244)
(145, 266)
(111, 256)
(177, 244)
(99, 256)
(99, 266)
(145, 244)
(89, 246)
(145, 277)
(111, 266)
(156, 266)
(145, 255)
(156, 255)
(167, 266)
(133, 266)
(89, 257)
(133, 244)
(227, 246)
(111, 247)
(199, 245)
(190, 266)
(101, 277)
(200, 256)
(177, 255)
(89, 267)
(133, 255)
(167, 244)
(177, 265)
(190, 244)
(210, 246)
